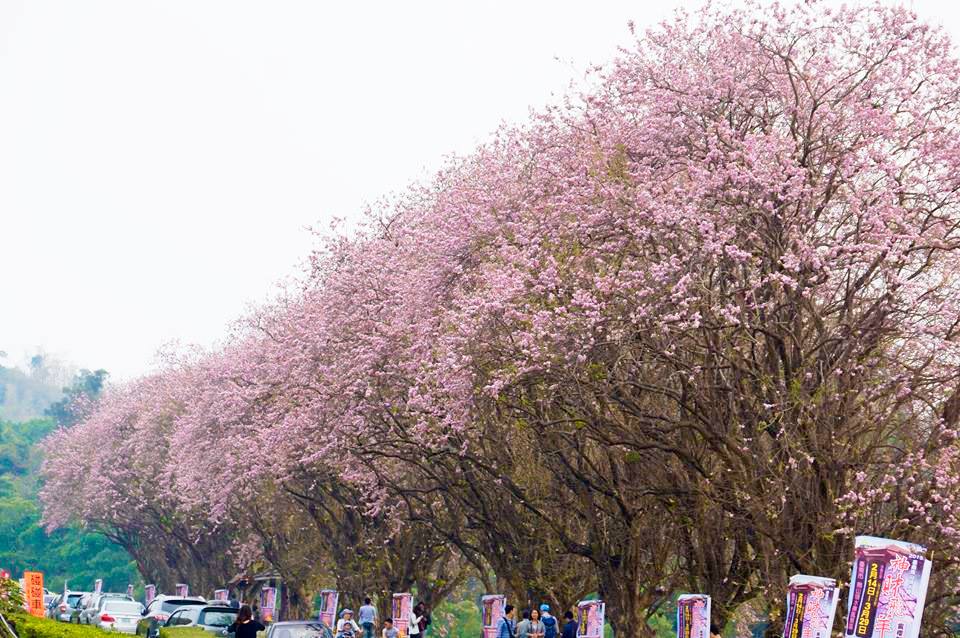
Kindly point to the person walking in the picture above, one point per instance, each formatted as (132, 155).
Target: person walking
(505, 628)
(245, 626)
(570, 627)
(536, 629)
(368, 618)
(551, 628)
(523, 627)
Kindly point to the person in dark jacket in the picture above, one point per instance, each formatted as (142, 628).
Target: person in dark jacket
(245, 626)
(570, 627)
(506, 628)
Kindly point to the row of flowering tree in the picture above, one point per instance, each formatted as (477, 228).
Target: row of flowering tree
(692, 329)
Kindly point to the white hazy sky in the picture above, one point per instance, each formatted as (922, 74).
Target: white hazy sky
(160, 160)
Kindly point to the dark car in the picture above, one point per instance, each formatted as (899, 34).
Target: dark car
(299, 629)
(160, 609)
(214, 618)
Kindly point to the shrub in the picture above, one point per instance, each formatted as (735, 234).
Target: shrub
(28, 626)
(11, 596)
(185, 632)
(193, 632)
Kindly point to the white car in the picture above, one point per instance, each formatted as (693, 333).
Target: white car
(90, 613)
(120, 615)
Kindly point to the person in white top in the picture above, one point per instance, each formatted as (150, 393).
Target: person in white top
(414, 629)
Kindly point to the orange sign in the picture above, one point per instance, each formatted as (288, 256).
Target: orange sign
(33, 583)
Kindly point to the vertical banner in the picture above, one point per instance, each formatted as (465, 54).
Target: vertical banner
(693, 616)
(149, 593)
(98, 586)
(811, 606)
(888, 588)
(33, 593)
(329, 599)
(130, 591)
(493, 606)
(221, 594)
(590, 617)
(268, 603)
(402, 606)
(182, 590)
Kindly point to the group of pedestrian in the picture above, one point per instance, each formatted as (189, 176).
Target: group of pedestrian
(418, 622)
(536, 623)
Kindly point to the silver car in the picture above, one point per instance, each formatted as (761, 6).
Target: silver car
(92, 610)
(213, 618)
(120, 615)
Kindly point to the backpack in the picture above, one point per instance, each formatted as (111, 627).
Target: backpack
(550, 625)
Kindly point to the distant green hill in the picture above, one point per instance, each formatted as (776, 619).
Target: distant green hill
(25, 396)
(70, 554)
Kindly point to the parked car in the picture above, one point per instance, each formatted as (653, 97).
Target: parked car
(66, 606)
(53, 607)
(213, 618)
(159, 610)
(80, 605)
(90, 614)
(118, 614)
(299, 629)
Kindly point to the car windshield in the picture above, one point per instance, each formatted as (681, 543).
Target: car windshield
(127, 607)
(301, 630)
(218, 617)
(176, 603)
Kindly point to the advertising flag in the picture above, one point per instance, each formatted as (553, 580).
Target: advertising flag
(402, 606)
(811, 607)
(33, 592)
(693, 616)
(182, 590)
(493, 606)
(888, 588)
(98, 586)
(268, 603)
(591, 618)
(221, 594)
(149, 593)
(329, 600)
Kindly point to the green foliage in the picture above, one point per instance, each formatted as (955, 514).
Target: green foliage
(86, 384)
(72, 553)
(662, 625)
(456, 620)
(11, 596)
(33, 627)
(184, 632)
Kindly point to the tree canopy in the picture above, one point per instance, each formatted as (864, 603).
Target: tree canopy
(691, 329)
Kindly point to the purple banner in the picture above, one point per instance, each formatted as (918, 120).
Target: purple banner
(888, 587)
(811, 607)
(693, 616)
